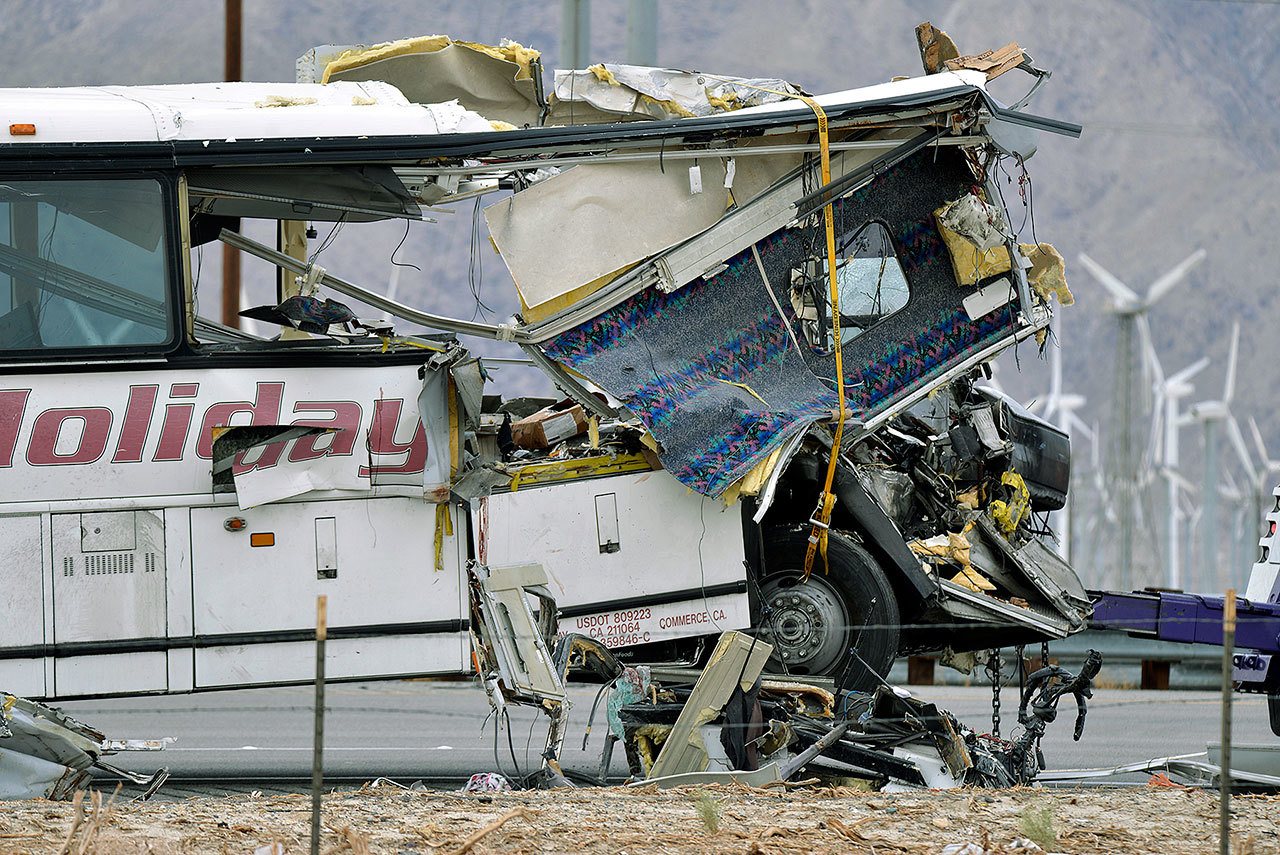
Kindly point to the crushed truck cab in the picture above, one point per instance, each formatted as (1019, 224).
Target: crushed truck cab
(769, 316)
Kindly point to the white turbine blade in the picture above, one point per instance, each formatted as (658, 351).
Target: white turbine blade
(1075, 424)
(1229, 388)
(1232, 484)
(1242, 450)
(393, 285)
(1230, 488)
(1176, 477)
(1149, 357)
(1257, 442)
(1122, 293)
(1055, 367)
(1162, 285)
(1187, 373)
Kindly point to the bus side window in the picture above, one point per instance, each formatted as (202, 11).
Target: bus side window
(871, 283)
(83, 265)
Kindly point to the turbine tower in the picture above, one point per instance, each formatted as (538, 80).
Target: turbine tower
(1127, 307)
(1063, 405)
(1165, 424)
(1210, 414)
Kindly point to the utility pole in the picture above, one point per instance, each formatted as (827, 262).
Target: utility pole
(575, 32)
(642, 32)
(230, 255)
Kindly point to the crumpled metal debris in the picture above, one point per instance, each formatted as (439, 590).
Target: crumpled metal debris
(642, 92)
(887, 736)
(47, 754)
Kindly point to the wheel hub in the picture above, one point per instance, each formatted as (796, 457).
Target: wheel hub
(808, 625)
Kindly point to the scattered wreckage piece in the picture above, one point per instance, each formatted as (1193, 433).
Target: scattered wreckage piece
(45, 753)
(1254, 768)
(520, 658)
(756, 731)
(734, 725)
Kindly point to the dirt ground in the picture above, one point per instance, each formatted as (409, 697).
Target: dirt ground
(689, 820)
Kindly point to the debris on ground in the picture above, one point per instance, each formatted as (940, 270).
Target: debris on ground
(819, 819)
(47, 754)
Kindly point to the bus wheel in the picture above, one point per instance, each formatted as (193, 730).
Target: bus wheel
(814, 623)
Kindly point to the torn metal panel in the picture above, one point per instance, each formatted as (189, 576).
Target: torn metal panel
(735, 665)
(517, 639)
(965, 604)
(1258, 767)
(46, 754)
(625, 92)
(500, 82)
(351, 194)
(513, 652)
(288, 478)
(256, 462)
(616, 215)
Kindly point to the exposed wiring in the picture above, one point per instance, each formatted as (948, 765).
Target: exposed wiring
(329, 238)
(403, 238)
(475, 266)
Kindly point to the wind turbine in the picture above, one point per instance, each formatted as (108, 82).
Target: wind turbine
(1127, 307)
(1241, 506)
(1165, 424)
(1064, 406)
(1210, 414)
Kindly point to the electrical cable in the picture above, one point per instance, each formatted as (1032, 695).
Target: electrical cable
(403, 237)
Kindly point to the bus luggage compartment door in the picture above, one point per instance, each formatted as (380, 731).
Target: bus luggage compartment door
(391, 612)
(632, 559)
(109, 603)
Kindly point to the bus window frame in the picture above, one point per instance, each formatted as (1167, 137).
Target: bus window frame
(176, 289)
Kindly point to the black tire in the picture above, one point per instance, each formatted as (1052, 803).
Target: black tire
(814, 624)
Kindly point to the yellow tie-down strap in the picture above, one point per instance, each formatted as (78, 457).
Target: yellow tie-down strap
(821, 518)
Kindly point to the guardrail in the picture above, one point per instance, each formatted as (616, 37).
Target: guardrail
(1145, 663)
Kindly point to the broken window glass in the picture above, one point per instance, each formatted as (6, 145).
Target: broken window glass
(83, 264)
(871, 284)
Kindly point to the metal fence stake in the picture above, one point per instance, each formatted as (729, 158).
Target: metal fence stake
(1224, 776)
(317, 757)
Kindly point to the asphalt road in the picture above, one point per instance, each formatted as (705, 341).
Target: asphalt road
(437, 730)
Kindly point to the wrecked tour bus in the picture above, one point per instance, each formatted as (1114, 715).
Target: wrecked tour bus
(768, 313)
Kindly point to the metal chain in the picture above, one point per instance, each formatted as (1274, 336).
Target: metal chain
(1044, 654)
(1022, 676)
(993, 671)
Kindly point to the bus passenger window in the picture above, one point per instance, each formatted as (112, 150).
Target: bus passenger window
(870, 280)
(83, 265)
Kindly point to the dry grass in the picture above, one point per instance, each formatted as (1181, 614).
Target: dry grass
(618, 820)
